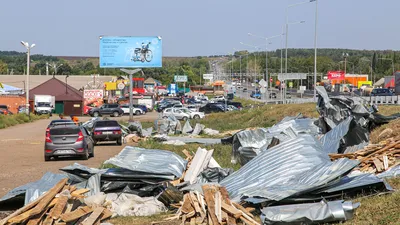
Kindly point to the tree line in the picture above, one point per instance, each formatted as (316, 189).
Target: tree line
(299, 61)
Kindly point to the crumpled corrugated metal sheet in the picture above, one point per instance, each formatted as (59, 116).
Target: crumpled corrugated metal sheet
(293, 167)
(251, 142)
(310, 213)
(355, 180)
(330, 140)
(149, 161)
(35, 189)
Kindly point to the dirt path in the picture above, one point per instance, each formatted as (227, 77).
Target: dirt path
(21, 153)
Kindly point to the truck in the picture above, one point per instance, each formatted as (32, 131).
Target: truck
(44, 104)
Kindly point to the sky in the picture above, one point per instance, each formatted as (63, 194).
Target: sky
(196, 28)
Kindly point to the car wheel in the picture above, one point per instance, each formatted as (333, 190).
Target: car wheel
(47, 158)
(184, 118)
(196, 117)
(115, 114)
(137, 112)
(119, 141)
(96, 114)
(92, 153)
(165, 117)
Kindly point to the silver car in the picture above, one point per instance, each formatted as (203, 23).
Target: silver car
(178, 113)
(68, 139)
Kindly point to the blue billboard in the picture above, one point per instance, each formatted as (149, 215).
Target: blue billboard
(130, 52)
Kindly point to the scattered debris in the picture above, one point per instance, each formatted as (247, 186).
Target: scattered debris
(211, 132)
(187, 128)
(212, 207)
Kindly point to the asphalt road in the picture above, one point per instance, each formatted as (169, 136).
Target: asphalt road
(22, 159)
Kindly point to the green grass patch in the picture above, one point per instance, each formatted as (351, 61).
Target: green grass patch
(222, 153)
(12, 120)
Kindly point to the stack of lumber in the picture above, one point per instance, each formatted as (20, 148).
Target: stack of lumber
(375, 158)
(62, 204)
(214, 208)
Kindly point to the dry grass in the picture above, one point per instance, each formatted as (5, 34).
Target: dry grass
(145, 220)
(391, 129)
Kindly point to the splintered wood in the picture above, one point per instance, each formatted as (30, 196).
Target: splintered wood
(375, 158)
(213, 208)
(56, 206)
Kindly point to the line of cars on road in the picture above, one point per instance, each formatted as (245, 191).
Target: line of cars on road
(195, 107)
(67, 138)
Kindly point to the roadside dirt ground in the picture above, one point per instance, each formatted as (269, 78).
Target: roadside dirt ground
(21, 153)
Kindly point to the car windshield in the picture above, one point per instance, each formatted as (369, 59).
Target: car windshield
(43, 104)
(64, 131)
(60, 121)
(107, 123)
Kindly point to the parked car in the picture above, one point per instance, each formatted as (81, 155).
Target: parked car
(218, 98)
(238, 105)
(255, 95)
(168, 104)
(212, 108)
(136, 111)
(193, 108)
(232, 108)
(193, 114)
(178, 113)
(68, 140)
(142, 107)
(272, 95)
(4, 110)
(106, 109)
(381, 92)
(107, 130)
(288, 95)
(244, 89)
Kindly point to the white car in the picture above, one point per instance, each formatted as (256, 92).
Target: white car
(193, 115)
(136, 111)
(178, 113)
(217, 99)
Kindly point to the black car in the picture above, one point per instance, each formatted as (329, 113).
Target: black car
(272, 95)
(381, 92)
(212, 108)
(106, 109)
(236, 104)
(107, 130)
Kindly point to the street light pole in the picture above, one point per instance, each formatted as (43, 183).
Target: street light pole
(28, 48)
(315, 51)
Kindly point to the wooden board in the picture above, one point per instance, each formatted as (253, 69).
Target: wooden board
(94, 216)
(79, 192)
(59, 207)
(78, 213)
(41, 204)
(209, 192)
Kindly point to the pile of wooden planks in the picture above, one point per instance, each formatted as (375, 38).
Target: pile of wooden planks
(213, 208)
(62, 204)
(375, 158)
(188, 158)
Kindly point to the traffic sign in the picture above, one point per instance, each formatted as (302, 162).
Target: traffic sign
(180, 78)
(263, 83)
(121, 86)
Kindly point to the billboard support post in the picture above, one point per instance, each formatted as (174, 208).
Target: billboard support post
(130, 72)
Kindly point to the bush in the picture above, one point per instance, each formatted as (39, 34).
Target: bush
(12, 120)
